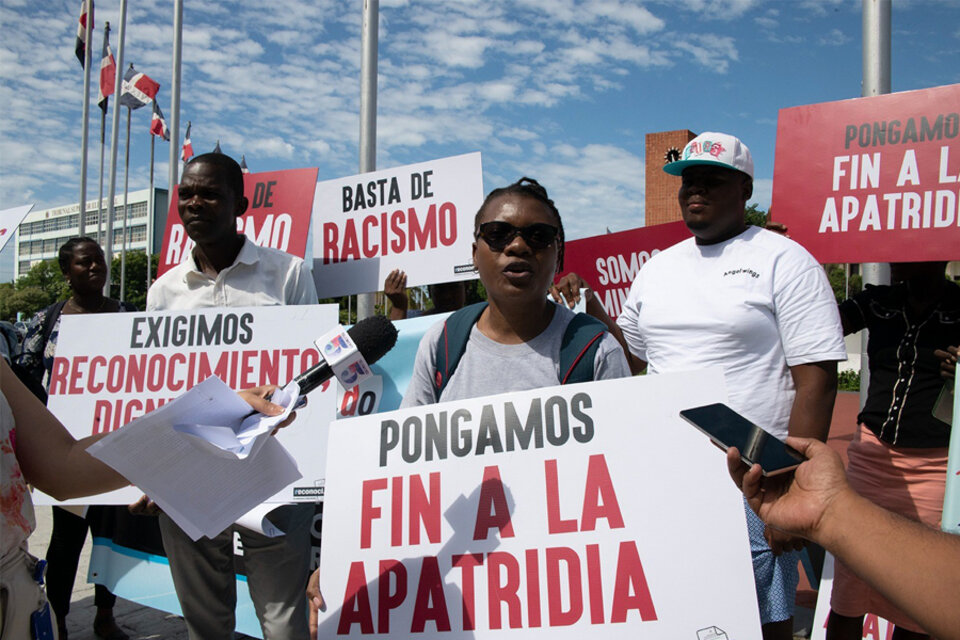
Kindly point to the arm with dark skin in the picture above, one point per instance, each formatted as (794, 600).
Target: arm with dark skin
(915, 567)
(810, 416)
(395, 288)
(567, 289)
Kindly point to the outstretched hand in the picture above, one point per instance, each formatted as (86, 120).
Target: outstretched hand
(259, 400)
(795, 503)
(567, 290)
(395, 288)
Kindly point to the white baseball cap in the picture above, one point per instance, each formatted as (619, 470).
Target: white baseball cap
(719, 149)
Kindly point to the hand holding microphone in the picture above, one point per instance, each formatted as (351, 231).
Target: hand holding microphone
(372, 337)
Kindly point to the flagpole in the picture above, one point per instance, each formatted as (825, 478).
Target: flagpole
(174, 128)
(126, 212)
(103, 130)
(150, 213)
(368, 113)
(88, 27)
(118, 84)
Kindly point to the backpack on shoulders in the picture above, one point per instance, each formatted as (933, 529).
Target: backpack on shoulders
(578, 346)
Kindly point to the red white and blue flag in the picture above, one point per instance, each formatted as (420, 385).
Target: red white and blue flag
(108, 71)
(187, 145)
(139, 89)
(158, 126)
(86, 13)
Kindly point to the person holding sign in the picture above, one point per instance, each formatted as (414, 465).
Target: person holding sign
(226, 269)
(755, 304)
(899, 459)
(513, 341)
(84, 266)
(915, 567)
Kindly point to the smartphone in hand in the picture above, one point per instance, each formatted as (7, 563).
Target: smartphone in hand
(727, 428)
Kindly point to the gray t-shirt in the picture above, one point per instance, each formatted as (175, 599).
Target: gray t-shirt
(488, 367)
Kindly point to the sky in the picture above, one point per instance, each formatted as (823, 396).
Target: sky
(560, 90)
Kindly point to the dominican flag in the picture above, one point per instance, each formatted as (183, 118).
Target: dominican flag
(243, 164)
(187, 145)
(158, 126)
(138, 90)
(86, 13)
(108, 71)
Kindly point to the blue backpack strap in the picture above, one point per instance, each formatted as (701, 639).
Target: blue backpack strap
(453, 342)
(578, 348)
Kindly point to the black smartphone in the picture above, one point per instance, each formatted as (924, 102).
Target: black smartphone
(728, 429)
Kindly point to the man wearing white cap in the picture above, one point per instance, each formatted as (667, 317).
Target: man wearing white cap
(757, 305)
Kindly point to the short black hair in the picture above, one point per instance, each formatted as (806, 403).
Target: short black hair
(532, 189)
(70, 246)
(231, 170)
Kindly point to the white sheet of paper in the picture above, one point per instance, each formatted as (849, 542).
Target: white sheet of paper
(257, 520)
(201, 487)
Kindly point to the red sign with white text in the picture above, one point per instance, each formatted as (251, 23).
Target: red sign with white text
(278, 215)
(609, 263)
(872, 179)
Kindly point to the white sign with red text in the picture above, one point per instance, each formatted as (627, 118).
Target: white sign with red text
(111, 368)
(874, 627)
(418, 218)
(587, 510)
(10, 220)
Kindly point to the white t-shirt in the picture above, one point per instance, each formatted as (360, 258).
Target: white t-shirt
(259, 277)
(753, 305)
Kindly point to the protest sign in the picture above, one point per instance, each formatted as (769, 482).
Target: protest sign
(610, 262)
(872, 179)
(543, 513)
(10, 219)
(111, 368)
(277, 216)
(874, 627)
(418, 218)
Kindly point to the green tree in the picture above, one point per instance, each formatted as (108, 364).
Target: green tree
(135, 282)
(756, 216)
(41, 286)
(836, 274)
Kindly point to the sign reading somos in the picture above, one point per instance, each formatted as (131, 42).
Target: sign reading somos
(277, 216)
(610, 262)
(548, 513)
(872, 179)
(418, 218)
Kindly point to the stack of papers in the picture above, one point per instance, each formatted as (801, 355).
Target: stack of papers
(203, 458)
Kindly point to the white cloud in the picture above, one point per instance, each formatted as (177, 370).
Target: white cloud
(711, 51)
(762, 193)
(715, 9)
(594, 186)
(834, 38)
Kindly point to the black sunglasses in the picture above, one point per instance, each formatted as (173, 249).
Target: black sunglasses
(498, 235)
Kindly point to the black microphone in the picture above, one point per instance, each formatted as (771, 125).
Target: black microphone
(374, 336)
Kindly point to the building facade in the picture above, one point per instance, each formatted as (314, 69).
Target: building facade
(661, 188)
(42, 233)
